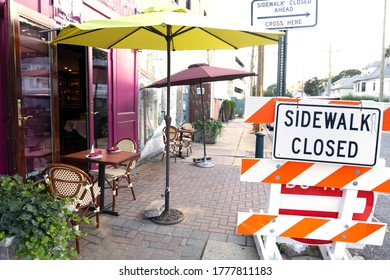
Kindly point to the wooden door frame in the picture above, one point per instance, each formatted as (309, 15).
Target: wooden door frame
(16, 139)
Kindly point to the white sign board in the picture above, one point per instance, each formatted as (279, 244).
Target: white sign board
(284, 14)
(327, 133)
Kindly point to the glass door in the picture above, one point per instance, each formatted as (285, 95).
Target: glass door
(34, 103)
(100, 98)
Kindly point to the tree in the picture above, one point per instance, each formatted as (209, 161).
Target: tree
(314, 87)
(271, 90)
(346, 73)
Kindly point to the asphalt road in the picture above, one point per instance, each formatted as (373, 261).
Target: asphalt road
(381, 213)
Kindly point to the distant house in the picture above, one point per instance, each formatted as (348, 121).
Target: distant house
(344, 86)
(368, 82)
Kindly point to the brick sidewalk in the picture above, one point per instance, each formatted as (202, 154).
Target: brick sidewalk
(209, 197)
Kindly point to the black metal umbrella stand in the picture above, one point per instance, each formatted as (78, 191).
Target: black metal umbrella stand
(204, 163)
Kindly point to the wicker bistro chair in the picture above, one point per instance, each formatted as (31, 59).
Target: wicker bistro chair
(67, 181)
(174, 141)
(186, 138)
(128, 145)
(119, 176)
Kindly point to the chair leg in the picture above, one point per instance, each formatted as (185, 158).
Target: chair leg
(130, 185)
(97, 210)
(114, 193)
(75, 227)
(78, 244)
(97, 220)
(132, 191)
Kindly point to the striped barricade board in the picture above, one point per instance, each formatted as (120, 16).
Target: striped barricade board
(334, 230)
(262, 109)
(376, 179)
(321, 208)
(324, 177)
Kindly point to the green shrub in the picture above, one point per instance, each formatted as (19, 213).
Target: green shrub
(226, 110)
(36, 220)
(354, 97)
(232, 109)
(213, 130)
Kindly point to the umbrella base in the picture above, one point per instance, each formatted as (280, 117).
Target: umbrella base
(205, 164)
(171, 217)
(195, 160)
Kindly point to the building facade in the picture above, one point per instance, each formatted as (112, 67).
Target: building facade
(365, 84)
(58, 99)
(368, 83)
(185, 100)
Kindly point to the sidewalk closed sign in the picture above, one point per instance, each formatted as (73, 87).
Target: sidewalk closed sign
(327, 133)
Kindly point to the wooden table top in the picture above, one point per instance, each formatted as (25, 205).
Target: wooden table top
(107, 157)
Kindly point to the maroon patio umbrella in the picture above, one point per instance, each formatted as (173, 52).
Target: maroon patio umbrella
(198, 74)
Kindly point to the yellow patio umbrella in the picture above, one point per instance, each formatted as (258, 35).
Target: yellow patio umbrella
(170, 29)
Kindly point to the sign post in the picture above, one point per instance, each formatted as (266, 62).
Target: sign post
(283, 15)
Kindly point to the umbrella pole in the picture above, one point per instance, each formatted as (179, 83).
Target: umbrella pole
(205, 162)
(204, 123)
(168, 119)
(169, 216)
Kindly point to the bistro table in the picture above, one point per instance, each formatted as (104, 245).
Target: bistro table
(106, 159)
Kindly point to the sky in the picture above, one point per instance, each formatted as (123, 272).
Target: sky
(352, 29)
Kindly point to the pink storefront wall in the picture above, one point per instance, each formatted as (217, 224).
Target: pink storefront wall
(124, 101)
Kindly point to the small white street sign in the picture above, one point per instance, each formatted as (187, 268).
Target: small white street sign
(284, 14)
(327, 133)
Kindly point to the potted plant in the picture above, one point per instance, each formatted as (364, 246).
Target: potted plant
(213, 130)
(34, 220)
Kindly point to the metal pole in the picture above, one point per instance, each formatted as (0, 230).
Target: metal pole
(204, 163)
(260, 71)
(251, 93)
(330, 70)
(282, 59)
(259, 149)
(168, 119)
(382, 71)
(260, 78)
(204, 122)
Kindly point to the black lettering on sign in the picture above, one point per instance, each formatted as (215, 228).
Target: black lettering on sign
(319, 147)
(328, 120)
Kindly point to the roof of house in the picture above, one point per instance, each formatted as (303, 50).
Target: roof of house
(376, 73)
(345, 83)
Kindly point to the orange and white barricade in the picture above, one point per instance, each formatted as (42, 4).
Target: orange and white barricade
(312, 202)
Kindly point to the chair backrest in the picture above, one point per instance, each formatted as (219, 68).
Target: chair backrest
(172, 134)
(68, 181)
(128, 145)
(187, 125)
